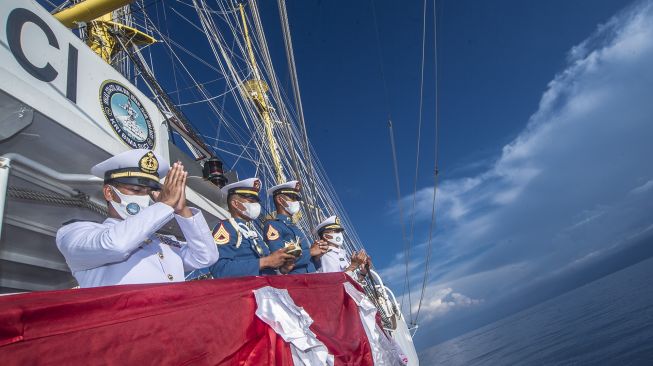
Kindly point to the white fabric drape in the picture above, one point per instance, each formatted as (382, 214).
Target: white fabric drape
(277, 309)
(384, 351)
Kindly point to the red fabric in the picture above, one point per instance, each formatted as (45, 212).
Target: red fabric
(209, 322)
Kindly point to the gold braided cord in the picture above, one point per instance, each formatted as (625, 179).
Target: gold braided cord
(134, 174)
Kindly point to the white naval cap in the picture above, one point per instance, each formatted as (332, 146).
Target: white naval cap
(331, 223)
(247, 187)
(291, 188)
(138, 166)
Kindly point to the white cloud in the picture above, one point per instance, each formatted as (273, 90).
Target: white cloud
(643, 188)
(439, 302)
(561, 193)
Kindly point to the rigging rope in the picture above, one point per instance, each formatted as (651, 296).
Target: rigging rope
(180, 119)
(436, 169)
(199, 86)
(277, 94)
(401, 209)
(229, 64)
(394, 159)
(380, 55)
(81, 200)
(292, 70)
(411, 236)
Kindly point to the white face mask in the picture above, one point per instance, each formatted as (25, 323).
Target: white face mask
(130, 205)
(252, 209)
(336, 238)
(293, 207)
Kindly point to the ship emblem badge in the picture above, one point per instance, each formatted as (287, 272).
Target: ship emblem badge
(126, 115)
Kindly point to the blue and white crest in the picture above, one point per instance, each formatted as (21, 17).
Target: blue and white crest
(133, 208)
(127, 116)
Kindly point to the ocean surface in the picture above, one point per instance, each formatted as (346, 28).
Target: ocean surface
(606, 322)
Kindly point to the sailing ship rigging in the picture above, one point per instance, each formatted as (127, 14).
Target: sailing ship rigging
(223, 106)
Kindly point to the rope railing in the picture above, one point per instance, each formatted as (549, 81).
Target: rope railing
(81, 200)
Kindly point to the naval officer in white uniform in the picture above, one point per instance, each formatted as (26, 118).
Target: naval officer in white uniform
(336, 258)
(126, 248)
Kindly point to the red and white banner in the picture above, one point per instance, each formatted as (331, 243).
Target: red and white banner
(209, 322)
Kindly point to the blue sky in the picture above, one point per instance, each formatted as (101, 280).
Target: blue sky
(554, 184)
(545, 139)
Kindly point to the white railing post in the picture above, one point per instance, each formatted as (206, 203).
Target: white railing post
(5, 166)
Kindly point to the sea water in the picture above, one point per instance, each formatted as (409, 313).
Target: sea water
(606, 322)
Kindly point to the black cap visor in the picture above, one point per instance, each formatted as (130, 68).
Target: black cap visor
(248, 196)
(136, 181)
(133, 176)
(292, 196)
(330, 229)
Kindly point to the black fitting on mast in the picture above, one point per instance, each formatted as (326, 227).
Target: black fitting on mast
(213, 172)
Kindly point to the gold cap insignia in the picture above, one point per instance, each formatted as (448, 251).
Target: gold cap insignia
(257, 185)
(337, 220)
(221, 236)
(272, 233)
(148, 163)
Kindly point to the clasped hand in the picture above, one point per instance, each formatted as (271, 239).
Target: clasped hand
(318, 248)
(173, 191)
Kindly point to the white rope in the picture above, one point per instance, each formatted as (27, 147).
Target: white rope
(244, 130)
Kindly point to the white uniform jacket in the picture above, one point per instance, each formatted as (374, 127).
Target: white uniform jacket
(118, 252)
(335, 260)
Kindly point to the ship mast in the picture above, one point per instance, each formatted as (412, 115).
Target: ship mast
(256, 90)
(103, 32)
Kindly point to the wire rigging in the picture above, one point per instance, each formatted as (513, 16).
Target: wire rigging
(239, 133)
(436, 168)
(411, 235)
(292, 70)
(393, 150)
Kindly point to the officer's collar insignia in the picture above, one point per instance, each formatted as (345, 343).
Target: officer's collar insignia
(221, 236)
(272, 233)
(148, 163)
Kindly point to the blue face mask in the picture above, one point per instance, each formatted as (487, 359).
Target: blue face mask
(130, 205)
